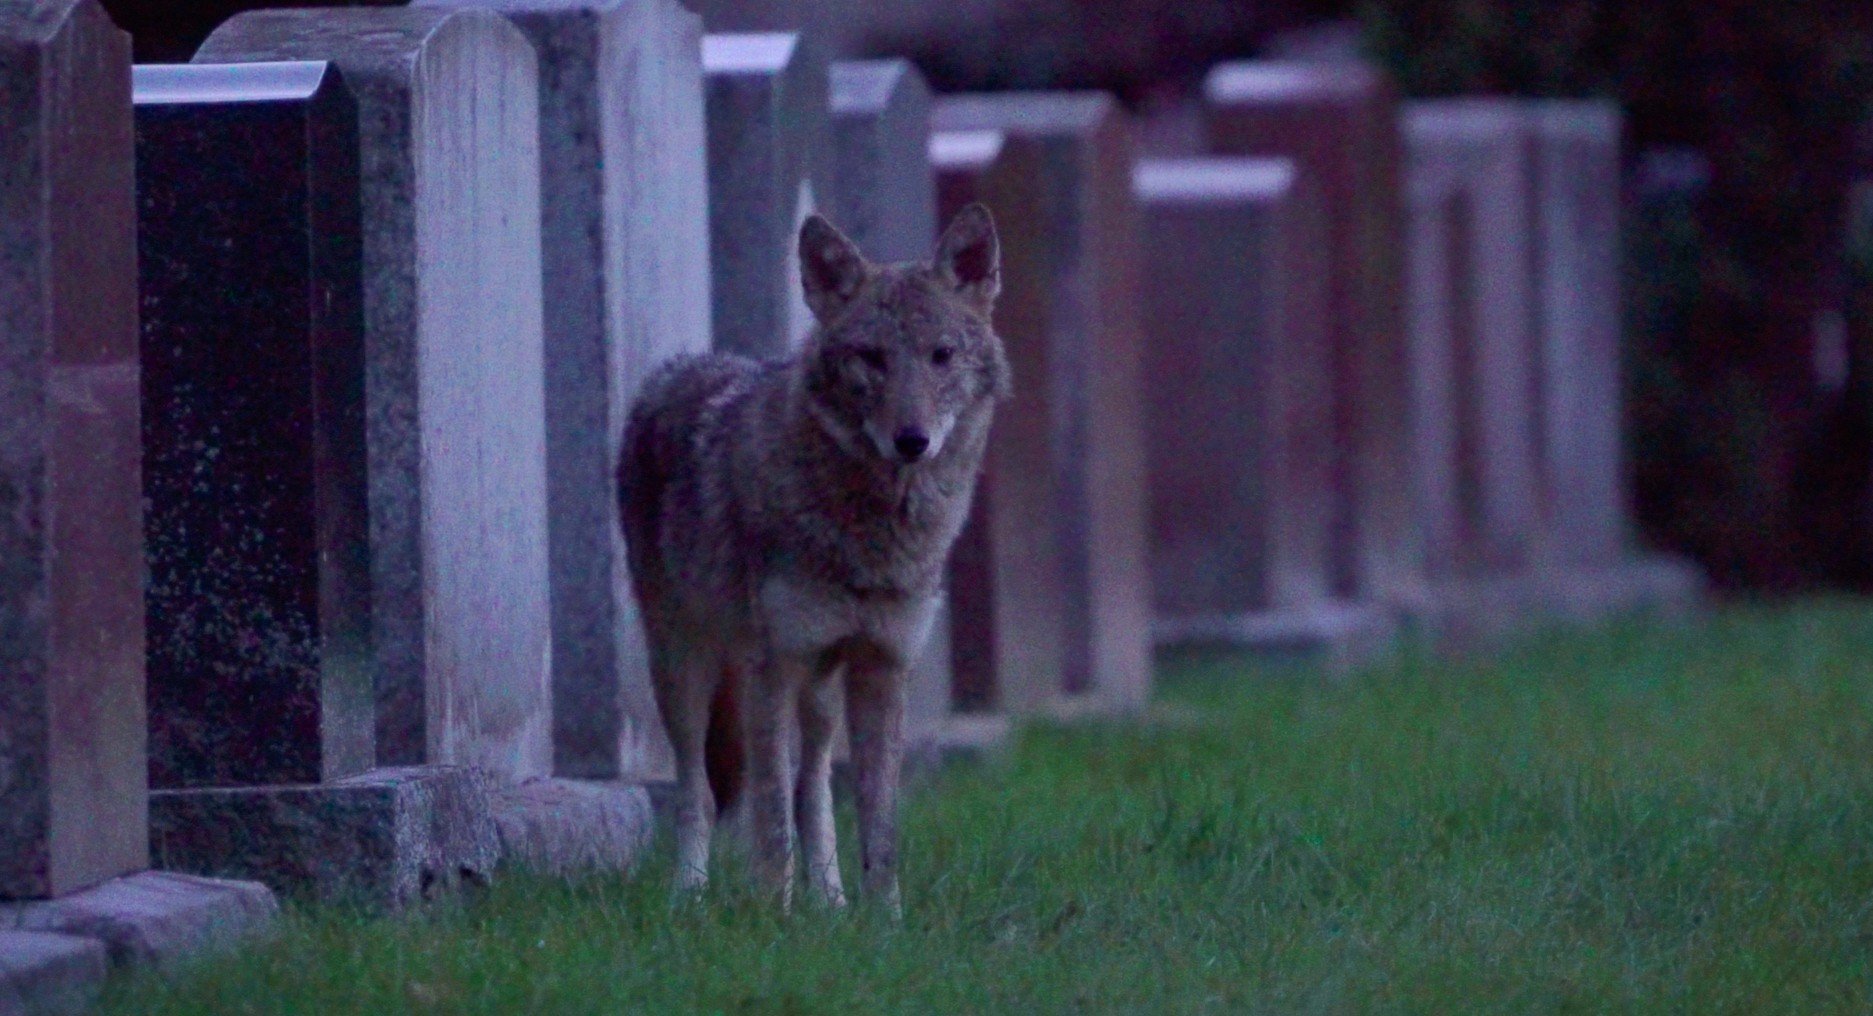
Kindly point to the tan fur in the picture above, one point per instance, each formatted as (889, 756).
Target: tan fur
(780, 540)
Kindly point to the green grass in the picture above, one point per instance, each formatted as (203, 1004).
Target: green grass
(1625, 820)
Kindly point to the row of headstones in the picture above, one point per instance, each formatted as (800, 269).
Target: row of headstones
(401, 270)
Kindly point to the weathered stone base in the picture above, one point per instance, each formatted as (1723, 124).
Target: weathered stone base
(1338, 635)
(49, 975)
(154, 917)
(1477, 613)
(565, 827)
(389, 838)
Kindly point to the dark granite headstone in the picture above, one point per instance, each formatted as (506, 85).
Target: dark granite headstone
(1338, 122)
(258, 605)
(624, 191)
(770, 166)
(1007, 599)
(454, 379)
(73, 796)
(1088, 267)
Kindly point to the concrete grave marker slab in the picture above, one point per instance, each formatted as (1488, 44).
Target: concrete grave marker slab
(1338, 122)
(770, 166)
(1469, 315)
(1087, 264)
(72, 767)
(1240, 462)
(1007, 595)
(449, 108)
(624, 184)
(257, 535)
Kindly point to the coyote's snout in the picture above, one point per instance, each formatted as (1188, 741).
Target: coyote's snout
(788, 523)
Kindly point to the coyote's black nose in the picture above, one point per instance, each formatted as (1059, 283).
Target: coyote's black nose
(911, 443)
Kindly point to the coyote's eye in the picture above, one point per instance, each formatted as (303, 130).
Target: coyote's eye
(941, 355)
(872, 357)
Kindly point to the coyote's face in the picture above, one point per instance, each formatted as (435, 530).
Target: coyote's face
(903, 351)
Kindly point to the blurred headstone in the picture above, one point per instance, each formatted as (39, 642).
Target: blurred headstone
(1087, 263)
(1338, 122)
(770, 166)
(1239, 437)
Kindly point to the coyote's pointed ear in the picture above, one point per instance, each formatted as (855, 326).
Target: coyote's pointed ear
(969, 257)
(831, 269)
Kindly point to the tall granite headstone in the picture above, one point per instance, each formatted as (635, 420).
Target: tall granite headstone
(770, 166)
(1087, 265)
(884, 198)
(624, 190)
(450, 192)
(1007, 594)
(1338, 122)
(73, 796)
(257, 536)
(1238, 447)
(1475, 375)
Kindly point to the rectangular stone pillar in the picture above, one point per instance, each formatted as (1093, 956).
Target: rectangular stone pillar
(257, 535)
(1087, 263)
(1575, 202)
(1338, 122)
(1475, 373)
(770, 166)
(449, 111)
(1238, 509)
(1007, 593)
(884, 198)
(73, 803)
(624, 189)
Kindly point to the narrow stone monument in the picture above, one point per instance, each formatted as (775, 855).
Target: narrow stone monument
(625, 246)
(1595, 567)
(1338, 122)
(262, 716)
(1474, 369)
(74, 832)
(72, 769)
(1007, 595)
(1239, 448)
(449, 110)
(770, 166)
(884, 198)
(1088, 268)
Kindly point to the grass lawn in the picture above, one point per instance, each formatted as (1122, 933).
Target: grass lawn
(1625, 820)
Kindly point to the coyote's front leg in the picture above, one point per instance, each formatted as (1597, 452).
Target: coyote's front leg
(875, 717)
(772, 729)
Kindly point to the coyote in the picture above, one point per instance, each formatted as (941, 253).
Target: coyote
(787, 524)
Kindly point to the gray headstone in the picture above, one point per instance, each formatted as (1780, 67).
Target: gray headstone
(1577, 294)
(884, 194)
(1240, 461)
(624, 188)
(1088, 266)
(72, 769)
(48, 974)
(257, 536)
(449, 106)
(770, 166)
(1338, 122)
(1469, 313)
